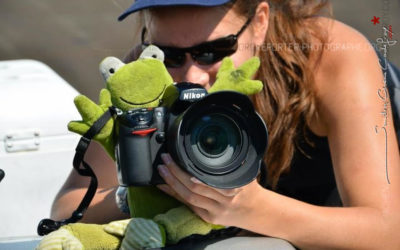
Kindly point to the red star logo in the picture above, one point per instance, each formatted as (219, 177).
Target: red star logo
(375, 20)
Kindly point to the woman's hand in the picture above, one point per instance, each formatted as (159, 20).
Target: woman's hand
(217, 206)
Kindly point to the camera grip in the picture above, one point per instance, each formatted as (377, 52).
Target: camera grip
(134, 158)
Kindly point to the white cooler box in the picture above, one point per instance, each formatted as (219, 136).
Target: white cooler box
(36, 149)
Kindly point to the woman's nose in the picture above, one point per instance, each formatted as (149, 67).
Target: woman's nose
(194, 73)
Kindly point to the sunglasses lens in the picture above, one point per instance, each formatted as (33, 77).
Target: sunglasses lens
(173, 58)
(207, 58)
(214, 51)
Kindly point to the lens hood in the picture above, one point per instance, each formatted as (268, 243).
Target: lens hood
(231, 118)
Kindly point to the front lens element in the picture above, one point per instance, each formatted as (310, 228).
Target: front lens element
(212, 141)
(215, 140)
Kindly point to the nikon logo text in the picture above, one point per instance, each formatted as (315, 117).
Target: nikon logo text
(193, 96)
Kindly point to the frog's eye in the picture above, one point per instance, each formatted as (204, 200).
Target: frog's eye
(109, 66)
(152, 51)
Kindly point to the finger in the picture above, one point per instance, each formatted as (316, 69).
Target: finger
(89, 110)
(253, 86)
(105, 98)
(78, 127)
(224, 192)
(182, 191)
(202, 213)
(226, 65)
(166, 189)
(250, 67)
(184, 178)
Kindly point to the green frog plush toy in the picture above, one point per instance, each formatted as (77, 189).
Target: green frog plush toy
(156, 219)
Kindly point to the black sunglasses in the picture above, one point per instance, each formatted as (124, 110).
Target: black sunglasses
(205, 53)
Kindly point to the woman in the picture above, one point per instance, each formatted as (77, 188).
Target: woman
(322, 102)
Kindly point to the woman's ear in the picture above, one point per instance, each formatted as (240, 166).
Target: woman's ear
(260, 23)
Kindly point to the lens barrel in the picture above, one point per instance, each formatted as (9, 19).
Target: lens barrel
(219, 139)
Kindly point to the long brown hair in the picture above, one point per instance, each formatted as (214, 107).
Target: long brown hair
(287, 102)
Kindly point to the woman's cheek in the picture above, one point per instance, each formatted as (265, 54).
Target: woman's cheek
(175, 73)
(213, 73)
(240, 57)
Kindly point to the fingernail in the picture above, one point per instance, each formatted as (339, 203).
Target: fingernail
(166, 158)
(163, 170)
(195, 180)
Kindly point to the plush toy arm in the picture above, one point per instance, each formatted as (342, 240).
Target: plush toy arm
(240, 79)
(59, 240)
(90, 112)
(79, 236)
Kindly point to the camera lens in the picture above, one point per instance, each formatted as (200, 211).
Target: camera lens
(219, 139)
(214, 140)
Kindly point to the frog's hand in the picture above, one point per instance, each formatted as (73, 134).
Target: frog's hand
(78, 127)
(90, 113)
(181, 222)
(240, 79)
(105, 99)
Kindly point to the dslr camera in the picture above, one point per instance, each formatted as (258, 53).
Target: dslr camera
(218, 138)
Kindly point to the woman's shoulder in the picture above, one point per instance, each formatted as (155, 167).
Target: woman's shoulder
(345, 49)
(347, 69)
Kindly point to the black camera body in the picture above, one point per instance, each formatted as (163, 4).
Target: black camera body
(218, 138)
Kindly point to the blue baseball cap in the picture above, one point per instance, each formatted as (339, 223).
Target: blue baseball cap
(144, 4)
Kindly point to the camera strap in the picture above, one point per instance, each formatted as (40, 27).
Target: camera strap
(47, 226)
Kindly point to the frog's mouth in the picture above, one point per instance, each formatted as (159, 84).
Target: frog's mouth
(143, 103)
